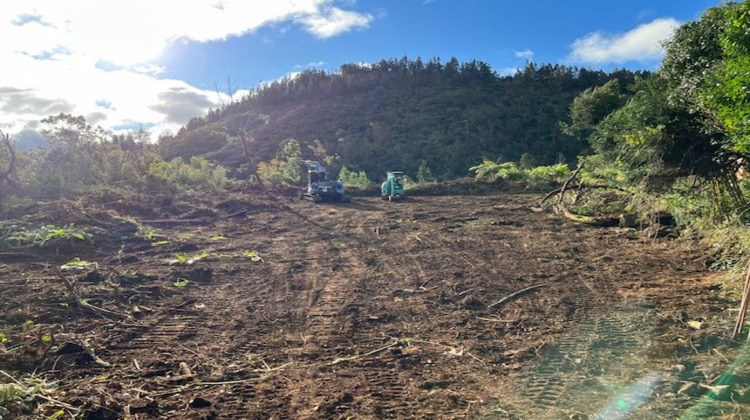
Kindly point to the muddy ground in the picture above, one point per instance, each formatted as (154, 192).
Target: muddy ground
(259, 306)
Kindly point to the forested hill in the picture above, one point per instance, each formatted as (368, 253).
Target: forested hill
(398, 113)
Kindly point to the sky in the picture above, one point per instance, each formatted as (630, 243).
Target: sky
(154, 64)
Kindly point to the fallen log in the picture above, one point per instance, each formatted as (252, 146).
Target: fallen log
(198, 221)
(514, 295)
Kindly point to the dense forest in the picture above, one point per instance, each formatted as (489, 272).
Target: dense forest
(397, 114)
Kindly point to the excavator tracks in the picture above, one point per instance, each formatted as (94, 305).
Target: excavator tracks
(436, 307)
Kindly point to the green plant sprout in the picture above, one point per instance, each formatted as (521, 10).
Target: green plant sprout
(160, 243)
(218, 238)
(253, 256)
(48, 234)
(22, 395)
(147, 233)
(184, 259)
(181, 282)
(77, 264)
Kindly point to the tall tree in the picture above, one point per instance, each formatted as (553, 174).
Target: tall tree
(726, 90)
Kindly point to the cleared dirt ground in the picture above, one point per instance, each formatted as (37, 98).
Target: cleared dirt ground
(245, 306)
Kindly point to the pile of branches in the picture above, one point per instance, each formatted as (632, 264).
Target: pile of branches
(578, 189)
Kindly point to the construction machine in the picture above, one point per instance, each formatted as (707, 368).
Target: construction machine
(393, 187)
(319, 187)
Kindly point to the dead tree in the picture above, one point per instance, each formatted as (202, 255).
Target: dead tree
(243, 136)
(561, 191)
(6, 176)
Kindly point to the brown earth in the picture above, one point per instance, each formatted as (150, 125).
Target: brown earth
(246, 306)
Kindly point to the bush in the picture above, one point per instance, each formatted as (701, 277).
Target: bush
(354, 179)
(176, 175)
(424, 174)
(549, 175)
(493, 171)
(285, 168)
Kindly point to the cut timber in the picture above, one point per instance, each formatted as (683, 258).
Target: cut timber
(743, 306)
(607, 220)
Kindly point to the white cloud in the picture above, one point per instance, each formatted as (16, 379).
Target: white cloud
(641, 44)
(508, 71)
(92, 57)
(333, 21)
(312, 65)
(146, 68)
(525, 54)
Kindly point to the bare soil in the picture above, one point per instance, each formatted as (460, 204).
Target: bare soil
(260, 306)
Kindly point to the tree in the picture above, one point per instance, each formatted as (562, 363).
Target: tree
(424, 174)
(285, 168)
(527, 161)
(354, 179)
(727, 87)
(690, 117)
(8, 174)
(658, 140)
(591, 107)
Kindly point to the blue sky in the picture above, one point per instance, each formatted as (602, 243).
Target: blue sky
(156, 63)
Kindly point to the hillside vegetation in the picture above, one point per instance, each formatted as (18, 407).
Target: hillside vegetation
(674, 141)
(397, 114)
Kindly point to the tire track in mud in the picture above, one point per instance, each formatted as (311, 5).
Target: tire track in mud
(393, 268)
(170, 327)
(333, 308)
(387, 389)
(587, 372)
(363, 324)
(586, 365)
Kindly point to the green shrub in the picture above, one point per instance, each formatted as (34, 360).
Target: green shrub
(549, 175)
(45, 235)
(354, 179)
(493, 171)
(424, 173)
(176, 175)
(285, 168)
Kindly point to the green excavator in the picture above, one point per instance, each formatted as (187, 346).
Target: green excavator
(393, 187)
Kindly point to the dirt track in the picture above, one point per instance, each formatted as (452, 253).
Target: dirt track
(372, 310)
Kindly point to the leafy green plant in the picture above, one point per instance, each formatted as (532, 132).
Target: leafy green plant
(3, 338)
(160, 243)
(553, 174)
(181, 282)
(148, 233)
(285, 168)
(176, 175)
(46, 235)
(22, 396)
(10, 396)
(354, 179)
(77, 264)
(537, 177)
(493, 171)
(253, 256)
(185, 259)
(424, 173)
